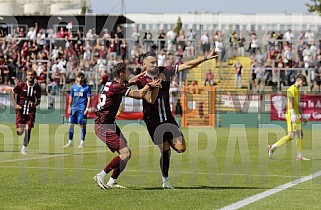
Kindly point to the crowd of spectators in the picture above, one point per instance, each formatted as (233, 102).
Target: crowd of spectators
(58, 54)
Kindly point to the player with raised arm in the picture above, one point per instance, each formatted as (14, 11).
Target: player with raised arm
(107, 130)
(293, 119)
(79, 103)
(161, 125)
(25, 97)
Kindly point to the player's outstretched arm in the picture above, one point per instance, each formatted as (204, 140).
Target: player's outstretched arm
(193, 63)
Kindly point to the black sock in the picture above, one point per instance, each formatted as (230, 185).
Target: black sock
(164, 162)
(26, 138)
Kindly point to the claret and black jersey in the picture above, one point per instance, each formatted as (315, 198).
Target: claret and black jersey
(160, 111)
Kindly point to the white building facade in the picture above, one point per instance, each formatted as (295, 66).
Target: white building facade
(40, 7)
(226, 21)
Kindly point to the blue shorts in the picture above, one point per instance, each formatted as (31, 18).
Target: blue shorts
(77, 116)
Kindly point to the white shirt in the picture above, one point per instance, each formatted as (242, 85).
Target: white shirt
(161, 60)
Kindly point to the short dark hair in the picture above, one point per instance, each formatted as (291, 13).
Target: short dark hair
(302, 77)
(119, 68)
(80, 74)
(152, 54)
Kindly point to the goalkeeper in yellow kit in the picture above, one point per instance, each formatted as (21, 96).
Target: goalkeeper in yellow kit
(293, 119)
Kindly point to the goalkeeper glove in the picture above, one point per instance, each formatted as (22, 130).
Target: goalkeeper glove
(294, 117)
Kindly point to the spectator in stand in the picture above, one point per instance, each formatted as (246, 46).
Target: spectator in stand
(135, 37)
(118, 37)
(259, 58)
(62, 65)
(309, 37)
(317, 73)
(254, 44)
(61, 33)
(307, 56)
(260, 77)
(123, 50)
(87, 53)
(112, 49)
(314, 52)
(112, 62)
(148, 40)
(4, 70)
(22, 33)
(42, 77)
(288, 36)
(32, 33)
(209, 78)
(55, 78)
(181, 40)
(233, 43)
(279, 40)
(102, 65)
(179, 52)
(161, 36)
(241, 44)
(220, 50)
(190, 45)
(41, 38)
(205, 43)
(287, 56)
(171, 40)
(161, 58)
(238, 74)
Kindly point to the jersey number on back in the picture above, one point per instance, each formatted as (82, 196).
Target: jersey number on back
(103, 97)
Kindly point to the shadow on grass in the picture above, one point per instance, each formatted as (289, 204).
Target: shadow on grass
(204, 188)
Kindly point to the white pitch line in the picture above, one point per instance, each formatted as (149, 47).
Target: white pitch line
(269, 192)
(62, 155)
(144, 171)
(50, 156)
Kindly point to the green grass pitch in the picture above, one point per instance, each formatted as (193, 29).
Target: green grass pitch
(220, 166)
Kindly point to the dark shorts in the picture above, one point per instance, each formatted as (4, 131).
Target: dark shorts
(111, 135)
(163, 132)
(253, 76)
(25, 119)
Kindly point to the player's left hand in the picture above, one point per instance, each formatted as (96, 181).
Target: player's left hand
(32, 104)
(85, 112)
(212, 54)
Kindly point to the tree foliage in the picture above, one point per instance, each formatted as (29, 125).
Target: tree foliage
(179, 25)
(84, 7)
(314, 6)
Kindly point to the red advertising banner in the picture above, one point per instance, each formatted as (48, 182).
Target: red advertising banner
(131, 109)
(309, 105)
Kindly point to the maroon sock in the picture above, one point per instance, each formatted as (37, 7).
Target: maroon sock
(117, 164)
(117, 171)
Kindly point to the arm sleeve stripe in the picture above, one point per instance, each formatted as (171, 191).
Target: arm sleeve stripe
(127, 92)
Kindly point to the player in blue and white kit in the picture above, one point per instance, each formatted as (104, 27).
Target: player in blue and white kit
(79, 102)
